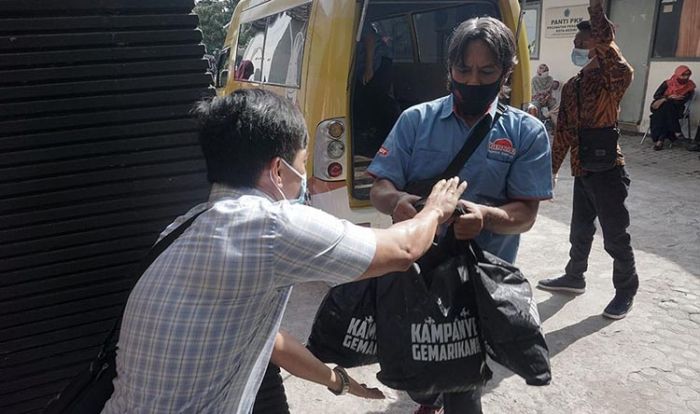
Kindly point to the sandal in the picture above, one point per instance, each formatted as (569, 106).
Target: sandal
(658, 146)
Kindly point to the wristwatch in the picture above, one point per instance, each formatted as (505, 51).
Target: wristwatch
(344, 381)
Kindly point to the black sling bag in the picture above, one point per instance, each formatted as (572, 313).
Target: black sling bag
(88, 391)
(597, 147)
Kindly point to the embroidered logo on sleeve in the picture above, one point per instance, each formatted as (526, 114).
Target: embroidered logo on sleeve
(502, 146)
(383, 151)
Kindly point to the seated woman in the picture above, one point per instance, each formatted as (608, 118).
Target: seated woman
(543, 86)
(667, 107)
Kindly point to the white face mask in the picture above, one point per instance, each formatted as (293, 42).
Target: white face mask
(301, 199)
(579, 57)
(545, 74)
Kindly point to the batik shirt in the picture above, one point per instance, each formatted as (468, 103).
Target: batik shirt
(601, 92)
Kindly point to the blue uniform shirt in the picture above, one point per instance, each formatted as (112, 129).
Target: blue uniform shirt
(512, 163)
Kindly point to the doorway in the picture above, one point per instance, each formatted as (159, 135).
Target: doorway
(634, 22)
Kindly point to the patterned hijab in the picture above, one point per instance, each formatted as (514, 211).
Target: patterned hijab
(675, 86)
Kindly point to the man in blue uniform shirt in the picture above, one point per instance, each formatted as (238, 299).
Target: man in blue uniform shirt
(508, 173)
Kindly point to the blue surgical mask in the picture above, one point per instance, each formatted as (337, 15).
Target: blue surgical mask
(301, 199)
(579, 57)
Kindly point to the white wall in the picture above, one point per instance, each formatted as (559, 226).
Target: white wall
(556, 52)
(659, 72)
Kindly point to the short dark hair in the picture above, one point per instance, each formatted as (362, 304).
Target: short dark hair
(242, 132)
(584, 26)
(493, 32)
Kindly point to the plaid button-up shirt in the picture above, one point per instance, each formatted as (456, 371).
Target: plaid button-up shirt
(199, 325)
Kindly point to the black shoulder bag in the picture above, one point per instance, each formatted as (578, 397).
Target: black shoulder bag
(597, 147)
(88, 391)
(424, 187)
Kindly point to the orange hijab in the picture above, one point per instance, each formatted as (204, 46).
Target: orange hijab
(674, 87)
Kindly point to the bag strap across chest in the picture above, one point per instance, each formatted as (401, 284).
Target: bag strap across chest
(480, 131)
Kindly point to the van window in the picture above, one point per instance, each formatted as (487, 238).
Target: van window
(398, 33)
(271, 49)
(249, 53)
(433, 28)
(284, 46)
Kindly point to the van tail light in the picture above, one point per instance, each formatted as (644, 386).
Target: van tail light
(335, 169)
(330, 150)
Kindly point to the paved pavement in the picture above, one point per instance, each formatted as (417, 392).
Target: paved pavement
(646, 363)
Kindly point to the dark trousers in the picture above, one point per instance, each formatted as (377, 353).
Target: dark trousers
(602, 195)
(468, 402)
(664, 122)
(271, 398)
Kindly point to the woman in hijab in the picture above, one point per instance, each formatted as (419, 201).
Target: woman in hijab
(668, 105)
(543, 86)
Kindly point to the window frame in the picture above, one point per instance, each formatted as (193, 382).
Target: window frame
(656, 30)
(537, 6)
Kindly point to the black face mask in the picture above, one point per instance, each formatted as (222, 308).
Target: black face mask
(474, 100)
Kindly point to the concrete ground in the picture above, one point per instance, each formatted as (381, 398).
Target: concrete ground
(646, 363)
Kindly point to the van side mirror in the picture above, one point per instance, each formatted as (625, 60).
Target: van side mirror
(222, 68)
(222, 78)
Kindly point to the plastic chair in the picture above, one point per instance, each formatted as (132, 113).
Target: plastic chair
(685, 116)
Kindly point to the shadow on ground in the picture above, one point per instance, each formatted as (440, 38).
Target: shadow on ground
(662, 202)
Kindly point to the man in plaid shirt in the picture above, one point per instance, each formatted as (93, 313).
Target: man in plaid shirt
(200, 324)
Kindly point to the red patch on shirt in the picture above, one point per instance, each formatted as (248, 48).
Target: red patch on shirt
(503, 146)
(383, 151)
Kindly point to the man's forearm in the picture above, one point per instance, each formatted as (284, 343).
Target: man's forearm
(560, 147)
(403, 243)
(515, 217)
(601, 28)
(291, 355)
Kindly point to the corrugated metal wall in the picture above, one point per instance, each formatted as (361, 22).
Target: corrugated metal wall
(97, 155)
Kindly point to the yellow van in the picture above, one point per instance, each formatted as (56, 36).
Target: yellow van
(311, 50)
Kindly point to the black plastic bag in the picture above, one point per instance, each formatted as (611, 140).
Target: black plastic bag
(427, 327)
(509, 317)
(344, 330)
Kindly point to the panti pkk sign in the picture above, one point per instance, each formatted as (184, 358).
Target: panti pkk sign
(562, 21)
